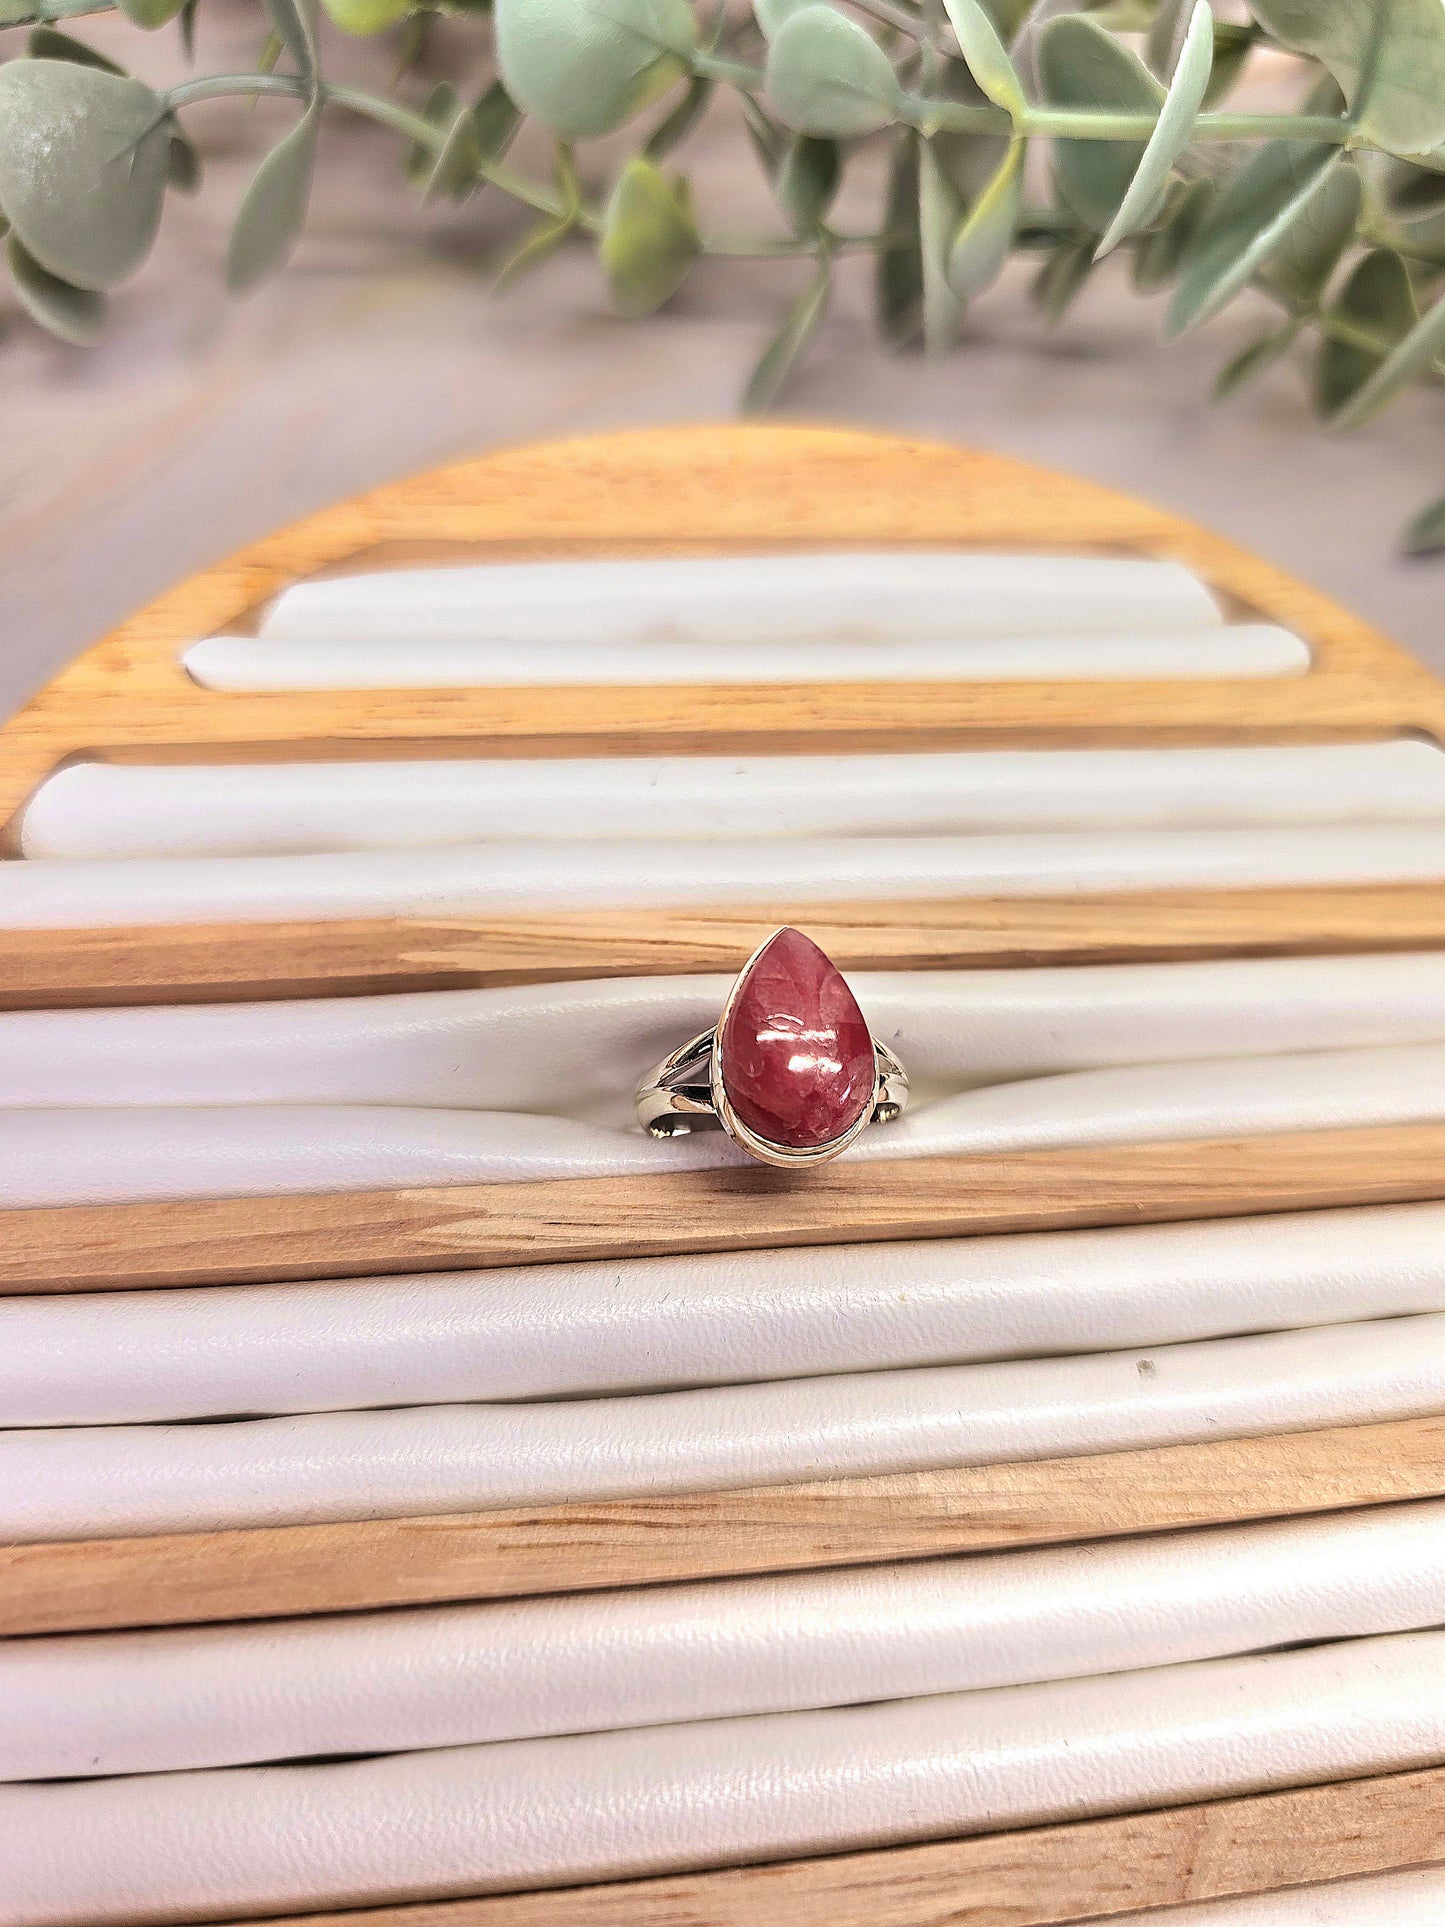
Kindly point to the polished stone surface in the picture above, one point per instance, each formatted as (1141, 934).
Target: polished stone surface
(796, 1058)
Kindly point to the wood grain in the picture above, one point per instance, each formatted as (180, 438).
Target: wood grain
(1041, 1877)
(689, 490)
(365, 1233)
(203, 963)
(270, 1571)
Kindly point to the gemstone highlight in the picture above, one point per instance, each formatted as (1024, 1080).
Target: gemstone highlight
(796, 1058)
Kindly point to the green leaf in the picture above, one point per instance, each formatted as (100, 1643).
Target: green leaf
(583, 67)
(273, 208)
(940, 210)
(362, 18)
(1377, 307)
(1060, 280)
(986, 56)
(1302, 264)
(898, 269)
(770, 14)
(1082, 66)
(72, 314)
(675, 127)
(149, 14)
(442, 105)
(183, 164)
(1410, 357)
(783, 352)
(475, 137)
(982, 242)
(544, 239)
(807, 181)
(1253, 360)
(48, 43)
(83, 157)
(1233, 45)
(1158, 254)
(1426, 532)
(1411, 193)
(1405, 110)
(1247, 224)
(827, 75)
(648, 237)
(1165, 38)
(495, 120)
(295, 22)
(1171, 131)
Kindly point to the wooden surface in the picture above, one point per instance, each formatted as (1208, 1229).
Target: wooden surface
(1041, 1877)
(714, 490)
(742, 1208)
(204, 963)
(271, 1571)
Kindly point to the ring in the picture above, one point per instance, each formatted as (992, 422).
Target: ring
(790, 1070)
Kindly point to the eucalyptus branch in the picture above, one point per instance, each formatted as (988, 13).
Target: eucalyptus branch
(1206, 202)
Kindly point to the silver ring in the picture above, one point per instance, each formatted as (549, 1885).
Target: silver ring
(790, 1070)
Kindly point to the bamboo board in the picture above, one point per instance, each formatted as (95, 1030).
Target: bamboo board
(709, 491)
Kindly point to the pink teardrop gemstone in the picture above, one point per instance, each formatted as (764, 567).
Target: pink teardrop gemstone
(798, 1064)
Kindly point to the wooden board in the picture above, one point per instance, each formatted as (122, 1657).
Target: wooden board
(272, 1571)
(1039, 1877)
(742, 1208)
(712, 491)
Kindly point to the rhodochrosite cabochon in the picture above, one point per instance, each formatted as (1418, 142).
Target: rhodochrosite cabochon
(797, 1059)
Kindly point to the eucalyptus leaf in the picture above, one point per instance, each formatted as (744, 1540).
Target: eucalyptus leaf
(986, 56)
(48, 43)
(295, 23)
(544, 239)
(1158, 253)
(442, 106)
(1405, 111)
(1301, 266)
(1165, 38)
(1375, 312)
(363, 18)
(808, 180)
(1082, 66)
(1261, 353)
(71, 314)
(939, 213)
(1412, 193)
(149, 14)
(1060, 280)
(982, 242)
(273, 209)
(475, 137)
(1410, 357)
(183, 164)
(648, 237)
(1426, 532)
(583, 67)
(1233, 45)
(1247, 223)
(675, 126)
(898, 269)
(786, 348)
(1171, 131)
(827, 75)
(770, 14)
(83, 159)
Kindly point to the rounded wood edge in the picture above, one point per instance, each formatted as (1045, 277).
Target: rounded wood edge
(269, 1572)
(705, 488)
(1051, 1876)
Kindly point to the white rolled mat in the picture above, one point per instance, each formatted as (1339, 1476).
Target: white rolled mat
(54, 1155)
(243, 662)
(521, 875)
(190, 1697)
(864, 595)
(577, 1049)
(97, 1482)
(1414, 1899)
(249, 809)
(653, 1324)
(180, 1846)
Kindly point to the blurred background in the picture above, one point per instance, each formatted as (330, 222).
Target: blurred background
(200, 423)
